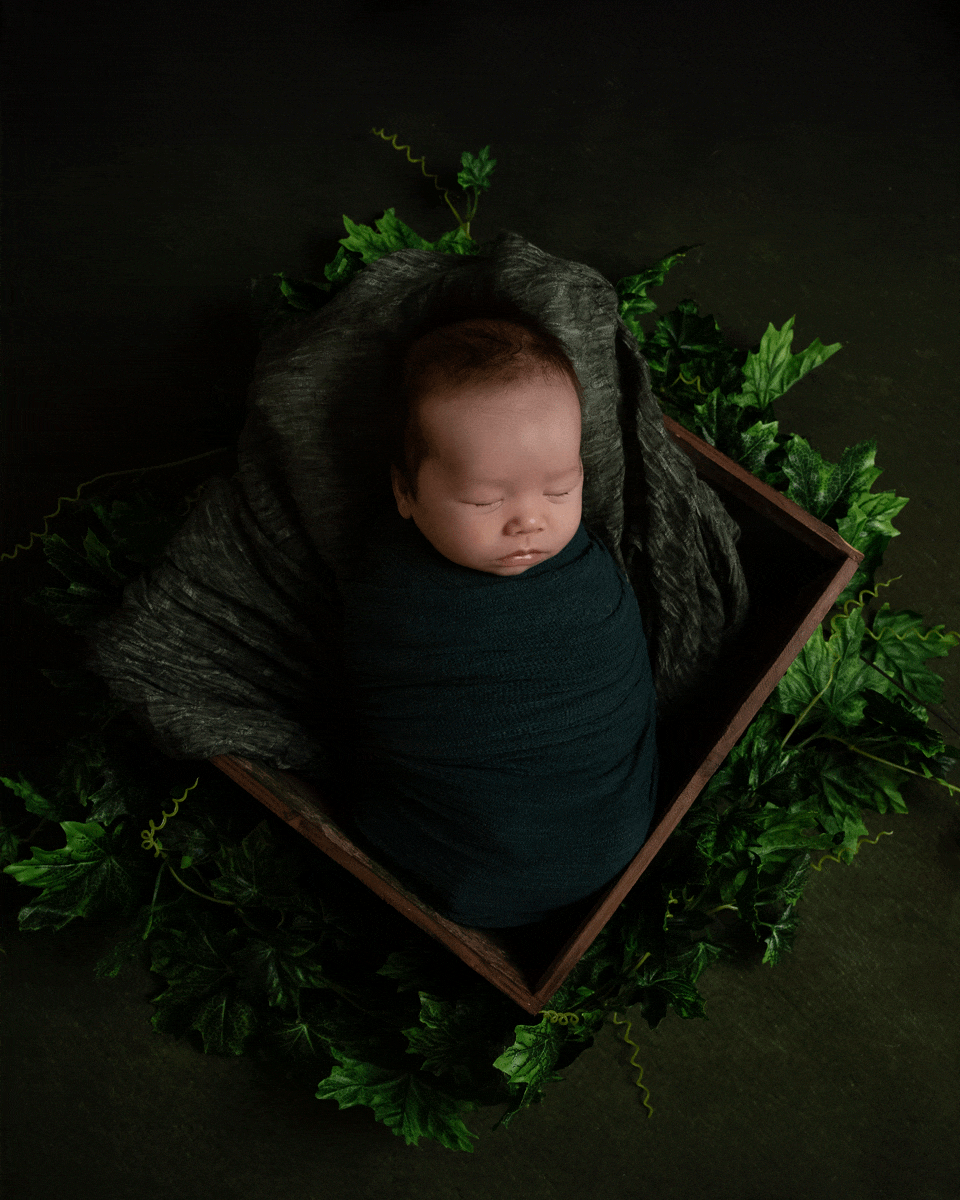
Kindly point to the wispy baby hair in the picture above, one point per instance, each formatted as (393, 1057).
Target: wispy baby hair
(479, 340)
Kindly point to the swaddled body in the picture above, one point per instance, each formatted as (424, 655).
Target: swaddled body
(509, 724)
(500, 678)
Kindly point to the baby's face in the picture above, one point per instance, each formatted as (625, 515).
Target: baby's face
(506, 475)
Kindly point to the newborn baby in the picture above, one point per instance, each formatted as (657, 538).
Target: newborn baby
(494, 651)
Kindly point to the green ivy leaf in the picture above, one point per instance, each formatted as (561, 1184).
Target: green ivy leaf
(871, 516)
(845, 697)
(757, 443)
(841, 784)
(632, 290)
(139, 527)
(33, 802)
(455, 1037)
(830, 670)
(719, 370)
(9, 845)
(477, 169)
(897, 725)
(732, 882)
(89, 874)
(405, 1101)
(304, 294)
(868, 526)
(406, 967)
(723, 837)
(89, 776)
(202, 990)
(440, 1040)
(901, 646)
(773, 370)
(721, 424)
(109, 802)
(93, 568)
(456, 241)
(63, 558)
(945, 761)
(697, 957)
(342, 267)
(780, 937)
(82, 769)
(98, 555)
(658, 986)
(299, 1037)
(158, 917)
(226, 1022)
(820, 487)
(680, 336)
(255, 872)
(755, 764)
(77, 605)
(879, 786)
(391, 235)
(528, 1062)
(807, 676)
(780, 834)
(788, 887)
(280, 965)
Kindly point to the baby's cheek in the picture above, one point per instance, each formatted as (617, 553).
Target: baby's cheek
(476, 533)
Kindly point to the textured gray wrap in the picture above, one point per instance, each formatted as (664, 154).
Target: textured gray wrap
(230, 643)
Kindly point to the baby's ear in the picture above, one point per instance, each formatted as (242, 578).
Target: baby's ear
(401, 497)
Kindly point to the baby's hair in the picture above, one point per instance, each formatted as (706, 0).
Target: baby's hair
(498, 342)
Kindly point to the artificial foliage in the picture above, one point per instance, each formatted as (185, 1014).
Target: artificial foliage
(261, 945)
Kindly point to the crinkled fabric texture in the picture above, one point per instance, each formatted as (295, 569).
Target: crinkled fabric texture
(231, 642)
(508, 724)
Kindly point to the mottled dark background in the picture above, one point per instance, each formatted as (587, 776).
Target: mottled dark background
(158, 156)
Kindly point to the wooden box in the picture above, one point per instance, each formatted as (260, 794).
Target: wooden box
(795, 568)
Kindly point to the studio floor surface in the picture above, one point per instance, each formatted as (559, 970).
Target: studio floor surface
(155, 157)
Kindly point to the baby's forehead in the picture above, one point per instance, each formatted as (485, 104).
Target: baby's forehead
(496, 406)
(468, 465)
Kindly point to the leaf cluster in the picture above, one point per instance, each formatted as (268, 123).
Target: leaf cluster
(134, 533)
(725, 395)
(261, 945)
(363, 245)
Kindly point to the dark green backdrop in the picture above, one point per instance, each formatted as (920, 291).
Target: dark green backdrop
(157, 156)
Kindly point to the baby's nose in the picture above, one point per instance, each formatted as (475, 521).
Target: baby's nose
(525, 521)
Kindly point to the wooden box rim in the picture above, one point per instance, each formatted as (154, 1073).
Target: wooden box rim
(303, 807)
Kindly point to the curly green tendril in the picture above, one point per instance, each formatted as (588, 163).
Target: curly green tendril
(818, 865)
(109, 475)
(633, 1063)
(149, 841)
(572, 1018)
(464, 224)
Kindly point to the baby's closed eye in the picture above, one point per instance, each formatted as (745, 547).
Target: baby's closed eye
(490, 503)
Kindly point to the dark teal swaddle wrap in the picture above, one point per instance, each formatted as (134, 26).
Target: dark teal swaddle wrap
(507, 724)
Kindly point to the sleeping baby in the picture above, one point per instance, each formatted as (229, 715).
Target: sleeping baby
(494, 651)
